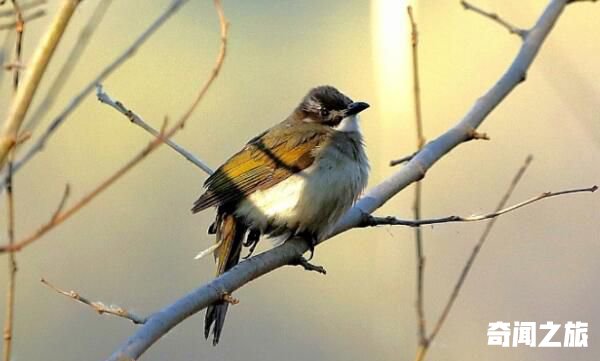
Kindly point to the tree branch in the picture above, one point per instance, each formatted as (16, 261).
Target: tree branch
(103, 97)
(97, 306)
(496, 18)
(12, 260)
(69, 65)
(36, 69)
(420, 256)
(153, 145)
(23, 6)
(488, 228)
(372, 221)
(40, 143)
(167, 318)
(26, 18)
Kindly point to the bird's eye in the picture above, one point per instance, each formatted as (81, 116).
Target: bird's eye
(324, 113)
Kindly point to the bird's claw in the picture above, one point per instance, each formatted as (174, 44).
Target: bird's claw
(303, 262)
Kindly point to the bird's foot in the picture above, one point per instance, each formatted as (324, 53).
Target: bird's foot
(303, 262)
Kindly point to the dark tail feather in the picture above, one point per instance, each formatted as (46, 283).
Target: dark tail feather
(215, 314)
(230, 231)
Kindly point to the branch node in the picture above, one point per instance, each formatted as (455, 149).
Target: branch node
(497, 19)
(230, 299)
(302, 262)
(475, 135)
(403, 159)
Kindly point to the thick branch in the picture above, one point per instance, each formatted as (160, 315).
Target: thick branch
(69, 65)
(246, 271)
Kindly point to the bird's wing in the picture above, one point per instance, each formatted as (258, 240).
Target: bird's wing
(265, 161)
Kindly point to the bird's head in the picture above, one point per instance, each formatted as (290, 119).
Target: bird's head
(328, 106)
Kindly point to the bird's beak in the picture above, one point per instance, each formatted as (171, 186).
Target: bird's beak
(356, 108)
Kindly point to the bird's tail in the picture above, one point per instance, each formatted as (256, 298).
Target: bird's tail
(230, 233)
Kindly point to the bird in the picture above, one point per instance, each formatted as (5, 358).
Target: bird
(295, 179)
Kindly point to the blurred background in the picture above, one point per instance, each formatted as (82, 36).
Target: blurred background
(134, 245)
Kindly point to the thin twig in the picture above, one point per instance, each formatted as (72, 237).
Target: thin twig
(109, 69)
(97, 306)
(402, 160)
(24, 7)
(19, 28)
(12, 268)
(36, 69)
(12, 261)
(63, 202)
(420, 256)
(372, 221)
(26, 18)
(496, 18)
(488, 227)
(154, 144)
(69, 65)
(4, 51)
(103, 97)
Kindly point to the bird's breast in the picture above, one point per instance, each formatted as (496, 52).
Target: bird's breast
(310, 200)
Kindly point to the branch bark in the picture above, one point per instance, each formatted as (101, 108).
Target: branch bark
(164, 320)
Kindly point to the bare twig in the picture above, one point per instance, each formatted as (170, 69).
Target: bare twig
(109, 69)
(246, 271)
(402, 160)
(69, 65)
(4, 51)
(422, 351)
(12, 261)
(61, 205)
(16, 247)
(420, 256)
(372, 221)
(12, 268)
(25, 19)
(103, 97)
(97, 306)
(477, 248)
(36, 69)
(24, 7)
(495, 17)
(19, 28)
(66, 214)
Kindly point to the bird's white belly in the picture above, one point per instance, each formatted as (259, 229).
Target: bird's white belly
(311, 200)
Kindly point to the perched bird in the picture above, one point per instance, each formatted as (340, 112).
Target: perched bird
(295, 179)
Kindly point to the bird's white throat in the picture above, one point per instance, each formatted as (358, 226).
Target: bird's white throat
(348, 124)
